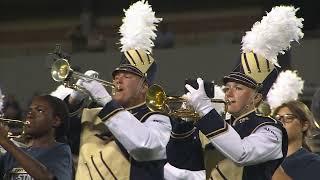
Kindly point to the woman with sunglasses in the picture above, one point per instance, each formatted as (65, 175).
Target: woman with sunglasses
(297, 119)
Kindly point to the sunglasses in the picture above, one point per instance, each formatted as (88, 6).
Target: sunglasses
(286, 118)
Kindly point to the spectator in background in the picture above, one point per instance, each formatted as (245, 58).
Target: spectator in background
(11, 110)
(78, 39)
(300, 163)
(96, 39)
(165, 38)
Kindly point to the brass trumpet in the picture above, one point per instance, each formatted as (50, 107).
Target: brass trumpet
(62, 72)
(13, 121)
(157, 100)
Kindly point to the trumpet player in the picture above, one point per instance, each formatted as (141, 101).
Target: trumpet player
(45, 158)
(125, 140)
(253, 145)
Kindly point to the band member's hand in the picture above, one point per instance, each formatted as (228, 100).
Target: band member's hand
(3, 131)
(91, 73)
(198, 98)
(97, 91)
(79, 95)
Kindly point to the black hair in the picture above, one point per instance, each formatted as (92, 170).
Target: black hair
(60, 109)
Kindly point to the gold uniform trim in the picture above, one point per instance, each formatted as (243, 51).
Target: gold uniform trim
(218, 131)
(183, 135)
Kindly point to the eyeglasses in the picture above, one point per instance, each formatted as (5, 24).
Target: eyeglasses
(287, 118)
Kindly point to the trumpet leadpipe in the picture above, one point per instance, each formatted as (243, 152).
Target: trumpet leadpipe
(5, 120)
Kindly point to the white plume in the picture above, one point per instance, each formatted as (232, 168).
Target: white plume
(219, 94)
(138, 28)
(286, 88)
(274, 33)
(61, 92)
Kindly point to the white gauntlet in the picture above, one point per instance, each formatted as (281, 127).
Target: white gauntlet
(198, 99)
(79, 95)
(97, 91)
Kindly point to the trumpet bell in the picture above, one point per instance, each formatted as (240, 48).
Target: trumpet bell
(60, 70)
(156, 98)
(16, 127)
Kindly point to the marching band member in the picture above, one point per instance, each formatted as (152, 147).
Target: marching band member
(125, 140)
(45, 158)
(254, 145)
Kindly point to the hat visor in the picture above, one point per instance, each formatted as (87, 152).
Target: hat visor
(239, 80)
(128, 70)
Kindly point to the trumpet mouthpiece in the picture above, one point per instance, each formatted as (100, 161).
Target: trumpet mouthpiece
(228, 102)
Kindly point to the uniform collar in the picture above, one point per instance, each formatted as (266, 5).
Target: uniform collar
(136, 108)
(243, 117)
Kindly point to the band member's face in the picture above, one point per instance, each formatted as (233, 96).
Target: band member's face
(293, 125)
(241, 98)
(40, 115)
(130, 89)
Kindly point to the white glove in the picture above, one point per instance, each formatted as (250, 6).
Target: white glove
(79, 95)
(91, 73)
(61, 92)
(198, 99)
(97, 91)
